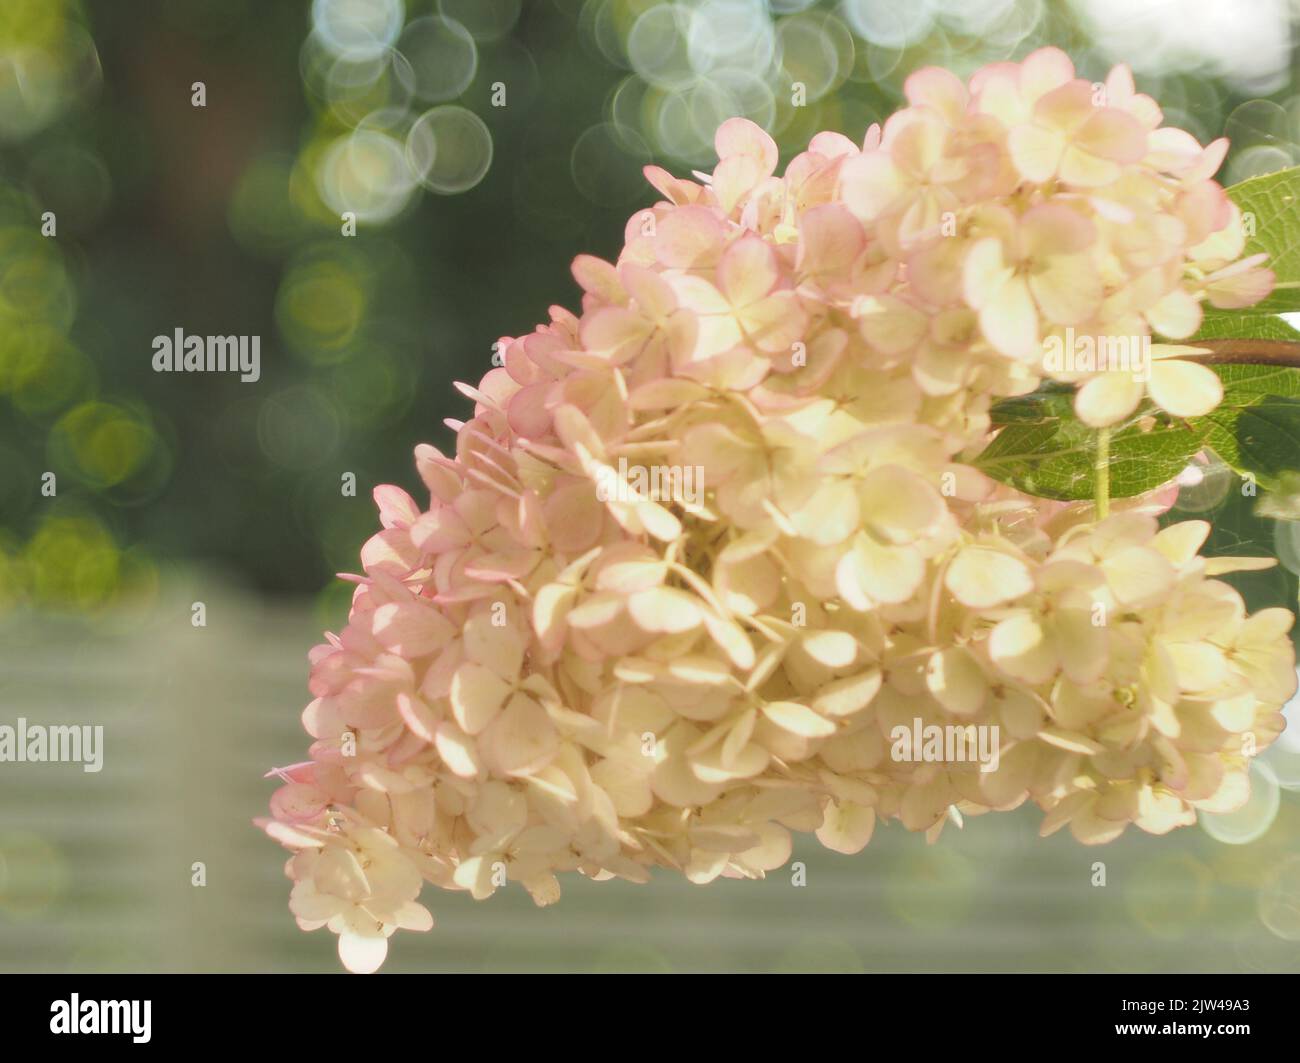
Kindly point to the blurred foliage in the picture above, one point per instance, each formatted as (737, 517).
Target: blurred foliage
(479, 145)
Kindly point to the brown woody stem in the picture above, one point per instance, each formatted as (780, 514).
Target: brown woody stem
(1247, 352)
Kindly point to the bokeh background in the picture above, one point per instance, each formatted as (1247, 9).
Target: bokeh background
(480, 144)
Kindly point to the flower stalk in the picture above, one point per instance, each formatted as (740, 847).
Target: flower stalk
(1101, 481)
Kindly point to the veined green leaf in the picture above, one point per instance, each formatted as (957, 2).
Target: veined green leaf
(1270, 205)
(1244, 324)
(1243, 384)
(1042, 449)
(1045, 450)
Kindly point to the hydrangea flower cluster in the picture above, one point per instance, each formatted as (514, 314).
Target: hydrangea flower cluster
(554, 666)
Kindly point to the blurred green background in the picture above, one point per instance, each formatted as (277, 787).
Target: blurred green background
(480, 145)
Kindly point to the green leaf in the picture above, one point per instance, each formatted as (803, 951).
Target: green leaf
(1256, 429)
(1045, 450)
(1261, 438)
(1051, 399)
(1244, 384)
(1271, 204)
(1245, 325)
